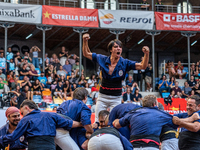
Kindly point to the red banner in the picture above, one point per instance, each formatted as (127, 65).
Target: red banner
(64, 16)
(177, 21)
(178, 105)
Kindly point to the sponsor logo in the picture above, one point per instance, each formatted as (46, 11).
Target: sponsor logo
(17, 13)
(107, 19)
(120, 73)
(181, 18)
(135, 20)
(21, 138)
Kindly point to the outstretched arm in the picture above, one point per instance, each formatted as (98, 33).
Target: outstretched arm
(144, 63)
(86, 51)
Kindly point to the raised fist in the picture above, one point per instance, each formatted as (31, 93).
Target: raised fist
(146, 50)
(86, 37)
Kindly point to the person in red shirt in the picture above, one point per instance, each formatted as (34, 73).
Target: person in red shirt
(95, 88)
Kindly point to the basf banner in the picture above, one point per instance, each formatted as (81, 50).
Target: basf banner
(177, 21)
(64, 16)
(20, 13)
(123, 19)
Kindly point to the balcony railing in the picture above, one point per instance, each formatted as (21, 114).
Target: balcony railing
(107, 5)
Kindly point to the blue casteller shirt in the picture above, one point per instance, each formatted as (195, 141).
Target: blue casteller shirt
(120, 111)
(77, 111)
(37, 123)
(147, 121)
(21, 143)
(119, 73)
(164, 83)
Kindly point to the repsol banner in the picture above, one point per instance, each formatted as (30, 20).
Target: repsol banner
(177, 21)
(123, 19)
(21, 13)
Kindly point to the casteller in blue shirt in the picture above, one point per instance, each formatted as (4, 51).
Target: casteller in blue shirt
(120, 111)
(35, 125)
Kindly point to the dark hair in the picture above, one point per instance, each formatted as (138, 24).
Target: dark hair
(196, 98)
(92, 76)
(103, 113)
(136, 90)
(80, 93)
(29, 103)
(170, 80)
(111, 44)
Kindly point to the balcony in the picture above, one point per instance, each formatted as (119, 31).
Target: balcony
(112, 5)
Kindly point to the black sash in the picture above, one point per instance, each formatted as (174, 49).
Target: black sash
(189, 140)
(111, 87)
(106, 130)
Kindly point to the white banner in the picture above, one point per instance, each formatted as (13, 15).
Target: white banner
(124, 19)
(21, 13)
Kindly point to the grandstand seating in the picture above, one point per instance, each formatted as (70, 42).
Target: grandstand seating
(37, 98)
(57, 100)
(165, 95)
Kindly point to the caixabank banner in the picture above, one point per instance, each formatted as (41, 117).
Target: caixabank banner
(177, 21)
(66, 16)
(124, 19)
(20, 13)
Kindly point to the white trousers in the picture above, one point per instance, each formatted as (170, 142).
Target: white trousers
(105, 142)
(146, 148)
(64, 140)
(105, 101)
(170, 144)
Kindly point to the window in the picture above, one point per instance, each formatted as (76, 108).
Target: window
(112, 4)
(182, 8)
(87, 4)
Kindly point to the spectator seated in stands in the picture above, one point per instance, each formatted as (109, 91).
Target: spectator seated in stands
(128, 96)
(66, 87)
(179, 70)
(15, 84)
(9, 54)
(47, 65)
(177, 89)
(18, 59)
(11, 65)
(146, 6)
(172, 94)
(196, 89)
(14, 101)
(148, 77)
(67, 68)
(163, 85)
(92, 80)
(169, 66)
(46, 58)
(72, 59)
(10, 78)
(159, 6)
(196, 76)
(72, 89)
(61, 72)
(43, 80)
(186, 90)
(76, 68)
(26, 56)
(95, 87)
(53, 58)
(59, 90)
(3, 86)
(88, 89)
(73, 79)
(134, 87)
(3, 63)
(56, 64)
(23, 72)
(37, 87)
(2, 75)
(82, 81)
(26, 87)
(137, 97)
(192, 82)
(25, 61)
(33, 75)
(172, 82)
(192, 93)
(129, 82)
(50, 70)
(192, 69)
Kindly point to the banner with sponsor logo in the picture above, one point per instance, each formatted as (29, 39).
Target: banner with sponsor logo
(20, 13)
(63, 16)
(177, 21)
(178, 105)
(124, 19)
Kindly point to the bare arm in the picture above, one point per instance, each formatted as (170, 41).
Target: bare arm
(76, 124)
(144, 63)
(14, 92)
(86, 51)
(116, 124)
(88, 128)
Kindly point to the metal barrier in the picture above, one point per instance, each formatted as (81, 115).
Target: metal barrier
(131, 6)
